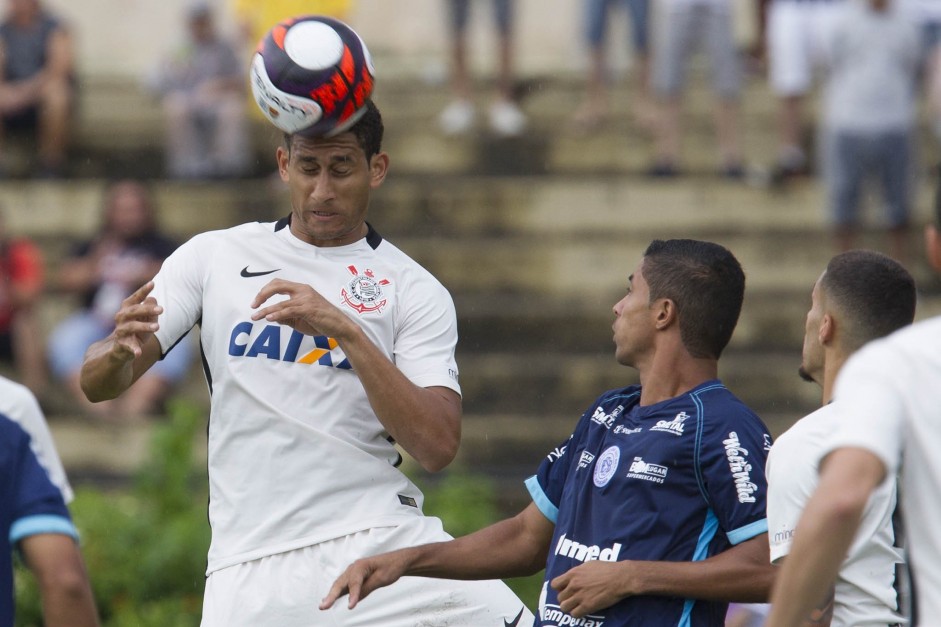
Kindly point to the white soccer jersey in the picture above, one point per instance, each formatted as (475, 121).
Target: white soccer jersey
(865, 592)
(890, 397)
(19, 405)
(296, 453)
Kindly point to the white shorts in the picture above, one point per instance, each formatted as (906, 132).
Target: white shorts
(798, 36)
(285, 590)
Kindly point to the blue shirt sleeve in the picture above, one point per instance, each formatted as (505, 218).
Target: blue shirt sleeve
(546, 486)
(36, 504)
(732, 458)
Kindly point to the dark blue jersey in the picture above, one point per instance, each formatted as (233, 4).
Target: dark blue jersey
(680, 480)
(29, 505)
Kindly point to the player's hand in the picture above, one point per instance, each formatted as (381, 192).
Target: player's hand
(134, 322)
(590, 587)
(364, 576)
(304, 310)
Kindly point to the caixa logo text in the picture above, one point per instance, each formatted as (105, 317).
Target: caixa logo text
(274, 341)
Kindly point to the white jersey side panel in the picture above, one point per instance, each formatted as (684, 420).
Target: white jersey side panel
(865, 593)
(296, 454)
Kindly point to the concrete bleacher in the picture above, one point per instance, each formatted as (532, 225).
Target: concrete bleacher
(534, 238)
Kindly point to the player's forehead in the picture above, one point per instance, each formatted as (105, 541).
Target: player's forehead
(637, 276)
(344, 145)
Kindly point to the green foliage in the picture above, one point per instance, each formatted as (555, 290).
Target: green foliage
(145, 549)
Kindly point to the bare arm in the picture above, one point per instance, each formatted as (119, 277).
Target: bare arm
(742, 573)
(824, 533)
(67, 599)
(510, 548)
(111, 365)
(426, 422)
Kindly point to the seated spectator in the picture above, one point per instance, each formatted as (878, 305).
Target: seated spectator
(21, 285)
(125, 254)
(594, 109)
(687, 24)
(505, 117)
(37, 88)
(202, 87)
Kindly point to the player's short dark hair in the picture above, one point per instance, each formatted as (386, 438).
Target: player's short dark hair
(874, 294)
(368, 131)
(706, 283)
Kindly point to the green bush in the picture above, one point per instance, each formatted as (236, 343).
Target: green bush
(146, 547)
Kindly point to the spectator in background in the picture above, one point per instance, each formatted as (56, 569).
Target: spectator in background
(595, 107)
(869, 117)
(927, 13)
(687, 24)
(35, 521)
(202, 87)
(798, 33)
(37, 88)
(505, 117)
(127, 251)
(21, 285)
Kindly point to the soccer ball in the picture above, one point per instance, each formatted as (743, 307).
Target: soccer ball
(312, 75)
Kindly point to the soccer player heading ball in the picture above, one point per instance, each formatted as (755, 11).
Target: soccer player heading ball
(324, 345)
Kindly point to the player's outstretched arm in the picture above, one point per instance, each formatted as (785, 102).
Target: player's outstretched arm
(742, 573)
(824, 533)
(57, 564)
(426, 422)
(510, 548)
(111, 365)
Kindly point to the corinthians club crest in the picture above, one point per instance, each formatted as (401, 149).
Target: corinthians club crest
(364, 292)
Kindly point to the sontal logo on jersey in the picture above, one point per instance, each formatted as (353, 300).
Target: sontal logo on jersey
(606, 420)
(674, 426)
(365, 292)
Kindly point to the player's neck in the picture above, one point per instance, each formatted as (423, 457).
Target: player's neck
(833, 362)
(668, 378)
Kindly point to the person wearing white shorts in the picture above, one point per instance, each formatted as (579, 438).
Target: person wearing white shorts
(324, 347)
(409, 602)
(798, 35)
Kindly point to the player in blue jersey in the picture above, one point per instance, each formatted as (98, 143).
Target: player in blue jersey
(653, 512)
(34, 520)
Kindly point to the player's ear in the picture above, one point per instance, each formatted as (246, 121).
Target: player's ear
(827, 329)
(665, 311)
(378, 168)
(933, 246)
(283, 157)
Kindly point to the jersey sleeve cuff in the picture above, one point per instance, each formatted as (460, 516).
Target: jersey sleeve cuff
(548, 509)
(737, 536)
(39, 524)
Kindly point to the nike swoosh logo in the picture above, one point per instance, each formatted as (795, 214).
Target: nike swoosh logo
(515, 621)
(245, 273)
